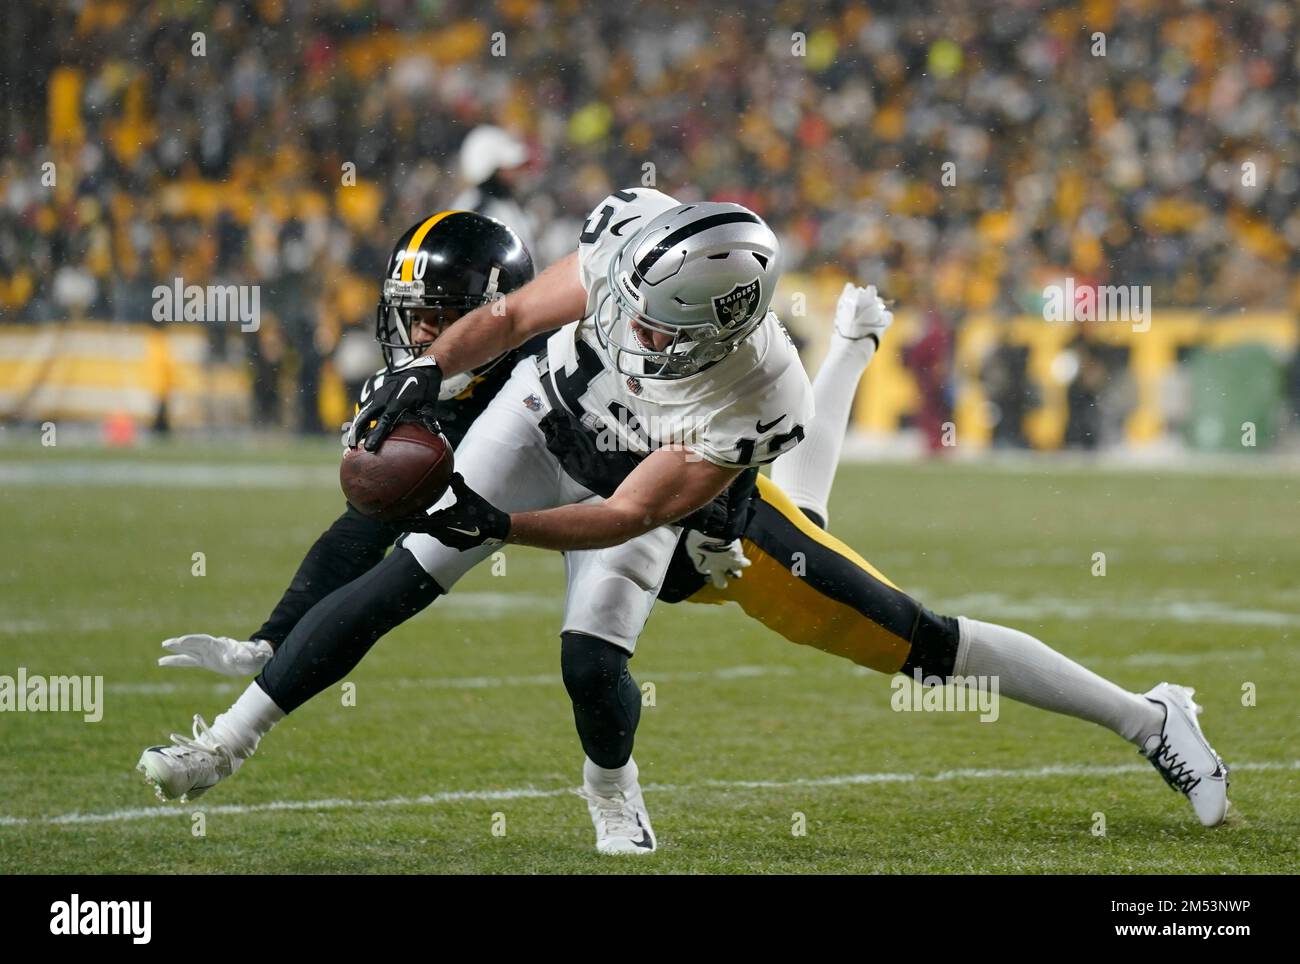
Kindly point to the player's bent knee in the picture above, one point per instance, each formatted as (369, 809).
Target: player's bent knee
(934, 646)
(590, 665)
(444, 564)
(606, 701)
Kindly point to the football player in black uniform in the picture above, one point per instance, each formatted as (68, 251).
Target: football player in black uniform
(457, 261)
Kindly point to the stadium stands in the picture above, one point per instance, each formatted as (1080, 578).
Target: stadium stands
(214, 142)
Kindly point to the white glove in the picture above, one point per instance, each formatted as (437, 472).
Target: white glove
(861, 312)
(717, 560)
(221, 654)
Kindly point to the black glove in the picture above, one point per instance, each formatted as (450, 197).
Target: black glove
(726, 517)
(426, 415)
(468, 522)
(413, 389)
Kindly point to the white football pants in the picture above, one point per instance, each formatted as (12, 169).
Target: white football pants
(504, 458)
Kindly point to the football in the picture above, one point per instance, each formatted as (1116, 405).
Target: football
(407, 473)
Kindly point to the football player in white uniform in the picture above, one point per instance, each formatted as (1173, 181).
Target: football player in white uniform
(676, 379)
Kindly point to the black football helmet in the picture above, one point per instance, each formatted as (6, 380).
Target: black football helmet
(456, 261)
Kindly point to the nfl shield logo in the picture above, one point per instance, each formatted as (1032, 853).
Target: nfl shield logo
(737, 306)
(634, 384)
(533, 403)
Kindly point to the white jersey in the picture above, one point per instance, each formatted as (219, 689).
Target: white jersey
(744, 410)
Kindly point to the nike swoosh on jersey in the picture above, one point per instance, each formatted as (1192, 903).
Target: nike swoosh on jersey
(616, 228)
(770, 425)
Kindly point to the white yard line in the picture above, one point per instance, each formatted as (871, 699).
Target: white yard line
(462, 682)
(533, 793)
(1198, 612)
(1227, 655)
(483, 605)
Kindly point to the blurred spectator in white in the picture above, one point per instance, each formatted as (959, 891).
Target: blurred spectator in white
(490, 162)
(74, 290)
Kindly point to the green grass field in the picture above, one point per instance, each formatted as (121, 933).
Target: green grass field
(460, 714)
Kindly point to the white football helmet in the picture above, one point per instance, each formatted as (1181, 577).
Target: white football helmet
(703, 274)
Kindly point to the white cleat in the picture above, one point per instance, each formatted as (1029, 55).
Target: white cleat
(1185, 758)
(621, 821)
(188, 768)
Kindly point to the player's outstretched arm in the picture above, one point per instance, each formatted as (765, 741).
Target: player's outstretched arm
(666, 486)
(219, 654)
(552, 299)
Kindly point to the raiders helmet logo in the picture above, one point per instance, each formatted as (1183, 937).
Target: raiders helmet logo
(737, 306)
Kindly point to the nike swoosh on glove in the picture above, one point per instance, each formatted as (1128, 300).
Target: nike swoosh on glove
(468, 522)
(411, 389)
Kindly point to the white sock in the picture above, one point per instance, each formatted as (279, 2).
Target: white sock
(608, 782)
(807, 471)
(1032, 672)
(250, 718)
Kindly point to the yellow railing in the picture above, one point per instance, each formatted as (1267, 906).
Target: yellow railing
(91, 369)
(889, 391)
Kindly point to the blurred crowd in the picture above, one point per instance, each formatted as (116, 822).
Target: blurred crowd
(958, 155)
